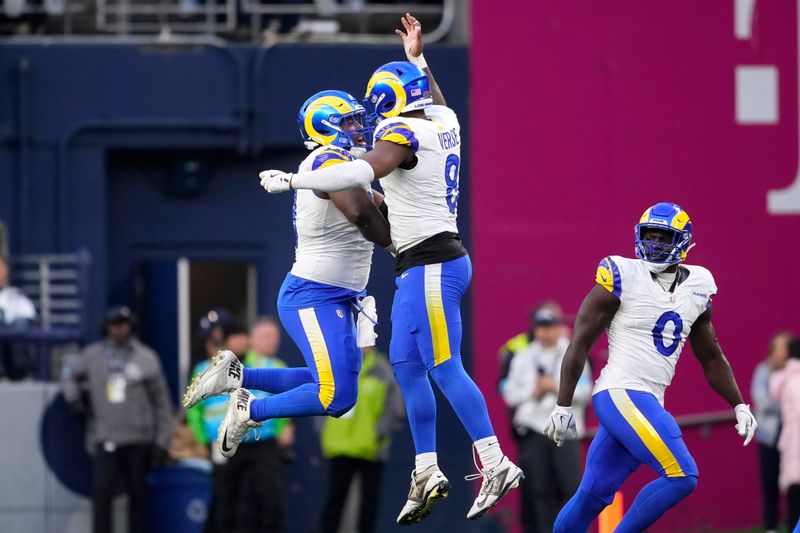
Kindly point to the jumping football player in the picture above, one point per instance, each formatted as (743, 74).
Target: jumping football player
(649, 307)
(417, 154)
(317, 299)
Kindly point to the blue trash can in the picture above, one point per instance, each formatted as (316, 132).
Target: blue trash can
(179, 499)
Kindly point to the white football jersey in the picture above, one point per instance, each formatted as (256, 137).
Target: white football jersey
(423, 201)
(647, 334)
(330, 249)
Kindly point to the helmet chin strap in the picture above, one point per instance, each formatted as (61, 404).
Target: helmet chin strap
(658, 268)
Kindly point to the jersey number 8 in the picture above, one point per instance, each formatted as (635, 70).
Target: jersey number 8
(451, 178)
(658, 333)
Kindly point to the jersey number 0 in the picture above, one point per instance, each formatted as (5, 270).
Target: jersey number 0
(658, 333)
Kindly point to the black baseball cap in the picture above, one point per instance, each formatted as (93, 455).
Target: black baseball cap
(546, 316)
(120, 313)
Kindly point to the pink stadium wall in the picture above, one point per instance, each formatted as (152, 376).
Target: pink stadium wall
(584, 114)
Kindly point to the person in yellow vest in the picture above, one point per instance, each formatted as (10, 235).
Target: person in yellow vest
(513, 346)
(358, 442)
(517, 343)
(248, 489)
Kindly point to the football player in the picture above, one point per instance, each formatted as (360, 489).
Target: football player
(649, 307)
(316, 303)
(417, 155)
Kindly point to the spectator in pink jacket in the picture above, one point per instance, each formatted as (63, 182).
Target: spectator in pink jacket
(784, 386)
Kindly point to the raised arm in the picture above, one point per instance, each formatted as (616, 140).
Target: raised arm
(357, 206)
(412, 44)
(594, 316)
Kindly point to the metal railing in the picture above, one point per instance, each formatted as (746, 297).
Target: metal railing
(353, 21)
(702, 420)
(362, 13)
(64, 11)
(166, 16)
(57, 284)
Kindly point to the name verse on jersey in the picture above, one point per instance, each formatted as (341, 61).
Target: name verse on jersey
(449, 139)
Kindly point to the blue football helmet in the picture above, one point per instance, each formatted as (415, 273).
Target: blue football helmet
(335, 118)
(396, 87)
(670, 218)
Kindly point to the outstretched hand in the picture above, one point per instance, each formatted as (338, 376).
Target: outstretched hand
(275, 181)
(412, 37)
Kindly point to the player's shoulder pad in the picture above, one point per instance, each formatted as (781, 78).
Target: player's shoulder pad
(702, 278)
(330, 155)
(609, 274)
(440, 111)
(398, 131)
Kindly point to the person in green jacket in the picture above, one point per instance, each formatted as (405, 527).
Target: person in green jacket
(358, 442)
(248, 489)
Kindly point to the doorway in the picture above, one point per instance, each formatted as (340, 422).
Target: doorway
(230, 285)
(172, 295)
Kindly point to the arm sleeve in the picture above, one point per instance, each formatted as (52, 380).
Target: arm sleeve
(334, 178)
(520, 383)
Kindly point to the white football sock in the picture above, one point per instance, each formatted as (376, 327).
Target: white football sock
(489, 451)
(424, 461)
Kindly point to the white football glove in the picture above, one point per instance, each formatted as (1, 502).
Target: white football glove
(366, 322)
(745, 422)
(275, 181)
(561, 425)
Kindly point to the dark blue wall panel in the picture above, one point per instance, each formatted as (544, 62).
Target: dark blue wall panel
(89, 137)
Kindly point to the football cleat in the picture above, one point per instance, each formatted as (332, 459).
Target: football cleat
(224, 374)
(427, 488)
(237, 422)
(496, 484)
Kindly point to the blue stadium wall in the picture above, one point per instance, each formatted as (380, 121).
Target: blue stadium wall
(91, 141)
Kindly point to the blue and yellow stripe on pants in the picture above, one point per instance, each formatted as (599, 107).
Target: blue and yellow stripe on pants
(634, 429)
(319, 319)
(319, 350)
(426, 313)
(645, 430)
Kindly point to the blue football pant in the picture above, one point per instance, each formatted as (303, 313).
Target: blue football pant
(634, 429)
(326, 335)
(426, 339)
